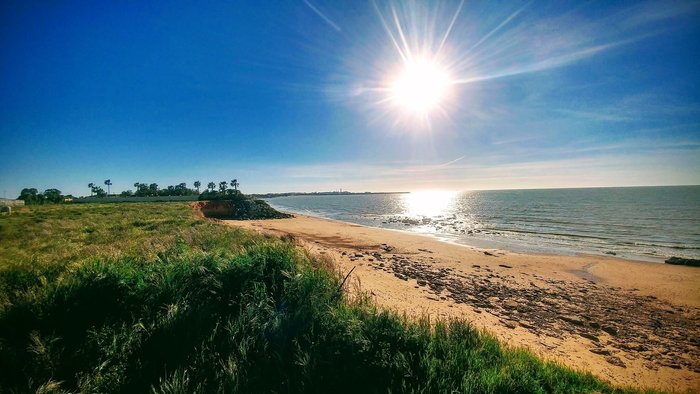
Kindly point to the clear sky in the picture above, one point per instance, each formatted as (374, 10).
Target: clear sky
(302, 95)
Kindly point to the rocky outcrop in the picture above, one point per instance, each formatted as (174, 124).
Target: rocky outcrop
(239, 209)
(682, 261)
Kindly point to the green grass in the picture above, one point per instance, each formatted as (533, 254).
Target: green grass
(145, 297)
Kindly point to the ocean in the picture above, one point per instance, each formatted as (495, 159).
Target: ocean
(640, 223)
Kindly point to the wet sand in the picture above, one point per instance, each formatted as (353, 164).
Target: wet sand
(628, 322)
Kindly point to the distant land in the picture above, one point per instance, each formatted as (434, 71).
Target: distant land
(338, 193)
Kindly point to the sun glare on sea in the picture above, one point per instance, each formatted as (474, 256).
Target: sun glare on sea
(431, 203)
(420, 87)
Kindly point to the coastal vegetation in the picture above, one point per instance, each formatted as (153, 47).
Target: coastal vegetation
(32, 196)
(153, 190)
(53, 196)
(150, 297)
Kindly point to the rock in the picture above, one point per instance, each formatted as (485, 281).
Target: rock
(512, 304)
(601, 351)
(614, 360)
(610, 330)
(526, 324)
(572, 319)
(683, 261)
(504, 266)
(589, 336)
(489, 253)
(509, 324)
(611, 253)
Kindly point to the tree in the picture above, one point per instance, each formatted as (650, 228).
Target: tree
(153, 189)
(126, 193)
(92, 187)
(29, 196)
(100, 192)
(197, 184)
(211, 186)
(222, 186)
(108, 182)
(234, 184)
(53, 196)
(142, 189)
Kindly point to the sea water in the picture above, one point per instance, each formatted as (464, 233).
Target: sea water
(643, 223)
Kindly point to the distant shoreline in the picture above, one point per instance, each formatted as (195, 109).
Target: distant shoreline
(274, 195)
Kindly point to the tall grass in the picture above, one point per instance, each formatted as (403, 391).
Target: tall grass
(192, 307)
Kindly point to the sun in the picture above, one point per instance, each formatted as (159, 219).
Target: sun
(420, 87)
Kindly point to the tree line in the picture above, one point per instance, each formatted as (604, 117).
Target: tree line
(212, 191)
(31, 196)
(181, 189)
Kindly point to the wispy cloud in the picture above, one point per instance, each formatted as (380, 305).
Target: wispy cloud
(322, 15)
(520, 44)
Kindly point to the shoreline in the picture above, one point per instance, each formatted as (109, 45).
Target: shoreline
(629, 322)
(512, 247)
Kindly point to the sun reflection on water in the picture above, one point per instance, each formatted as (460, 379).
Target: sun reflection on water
(429, 204)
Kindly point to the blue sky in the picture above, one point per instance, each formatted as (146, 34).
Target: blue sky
(288, 96)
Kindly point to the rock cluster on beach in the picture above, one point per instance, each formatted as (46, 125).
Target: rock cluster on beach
(682, 261)
(620, 325)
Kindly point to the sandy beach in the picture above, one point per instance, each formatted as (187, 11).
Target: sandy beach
(628, 322)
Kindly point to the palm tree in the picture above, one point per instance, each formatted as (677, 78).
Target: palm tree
(222, 186)
(234, 184)
(108, 182)
(211, 186)
(197, 184)
(92, 188)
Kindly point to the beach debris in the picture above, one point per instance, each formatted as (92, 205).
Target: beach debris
(340, 288)
(505, 266)
(488, 253)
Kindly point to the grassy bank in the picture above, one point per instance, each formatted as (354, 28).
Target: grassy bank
(145, 297)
